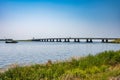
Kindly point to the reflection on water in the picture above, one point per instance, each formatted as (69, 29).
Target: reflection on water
(37, 52)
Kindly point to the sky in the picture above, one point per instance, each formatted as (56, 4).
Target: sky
(25, 19)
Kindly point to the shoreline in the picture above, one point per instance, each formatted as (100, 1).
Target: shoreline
(100, 66)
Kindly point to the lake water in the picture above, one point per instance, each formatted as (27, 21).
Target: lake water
(41, 52)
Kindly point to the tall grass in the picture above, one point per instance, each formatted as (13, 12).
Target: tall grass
(102, 66)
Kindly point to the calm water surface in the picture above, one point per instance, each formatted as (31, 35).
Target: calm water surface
(40, 52)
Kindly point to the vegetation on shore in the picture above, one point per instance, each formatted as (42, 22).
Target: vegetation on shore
(24, 40)
(102, 66)
(116, 41)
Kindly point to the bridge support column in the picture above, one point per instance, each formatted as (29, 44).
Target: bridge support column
(76, 40)
(51, 40)
(46, 40)
(91, 40)
(58, 40)
(87, 40)
(106, 41)
(102, 40)
(66, 40)
(40, 40)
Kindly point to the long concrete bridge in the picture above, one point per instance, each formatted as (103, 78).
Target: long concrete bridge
(88, 40)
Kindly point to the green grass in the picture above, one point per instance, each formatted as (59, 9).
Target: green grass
(24, 40)
(102, 66)
(116, 41)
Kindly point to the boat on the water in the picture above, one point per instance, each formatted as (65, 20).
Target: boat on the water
(11, 41)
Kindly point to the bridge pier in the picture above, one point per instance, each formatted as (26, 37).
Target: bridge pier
(89, 40)
(105, 40)
(41, 40)
(58, 40)
(76, 40)
(102, 40)
(66, 40)
(52, 40)
(44, 40)
(47, 40)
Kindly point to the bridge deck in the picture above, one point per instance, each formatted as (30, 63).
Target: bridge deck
(74, 39)
(82, 38)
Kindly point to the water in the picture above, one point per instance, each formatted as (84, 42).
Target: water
(40, 52)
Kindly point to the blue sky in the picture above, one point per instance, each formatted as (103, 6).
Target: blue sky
(24, 19)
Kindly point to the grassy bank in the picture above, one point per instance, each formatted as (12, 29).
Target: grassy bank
(116, 41)
(24, 40)
(102, 66)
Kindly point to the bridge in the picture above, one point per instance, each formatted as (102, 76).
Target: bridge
(88, 40)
